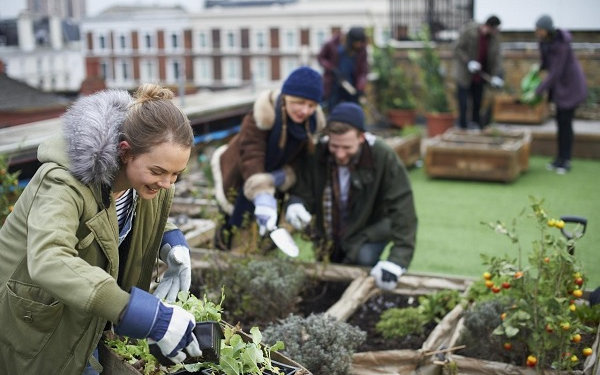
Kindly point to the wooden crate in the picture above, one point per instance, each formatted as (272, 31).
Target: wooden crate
(507, 109)
(478, 156)
(407, 148)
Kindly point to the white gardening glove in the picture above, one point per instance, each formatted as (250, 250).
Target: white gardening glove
(178, 276)
(474, 66)
(387, 274)
(297, 216)
(265, 210)
(497, 82)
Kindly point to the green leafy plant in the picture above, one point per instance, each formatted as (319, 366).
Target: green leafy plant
(137, 352)
(249, 358)
(9, 189)
(399, 322)
(319, 342)
(393, 87)
(539, 309)
(432, 76)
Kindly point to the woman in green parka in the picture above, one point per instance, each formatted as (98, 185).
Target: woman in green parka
(80, 246)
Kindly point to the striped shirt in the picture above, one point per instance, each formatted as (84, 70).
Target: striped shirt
(124, 206)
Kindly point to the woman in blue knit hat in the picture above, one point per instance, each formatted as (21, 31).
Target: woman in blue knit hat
(256, 166)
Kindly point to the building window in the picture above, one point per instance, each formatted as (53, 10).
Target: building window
(288, 65)
(260, 70)
(261, 40)
(203, 71)
(231, 71)
(176, 70)
(148, 41)
(290, 41)
(104, 70)
(122, 42)
(102, 42)
(124, 68)
(203, 40)
(174, 41)
(320, 38)
(230, 42)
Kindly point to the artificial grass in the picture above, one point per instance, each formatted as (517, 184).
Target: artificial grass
(451, 237)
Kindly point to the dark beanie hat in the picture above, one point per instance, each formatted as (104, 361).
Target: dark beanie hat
(304, 82)
(348, 113)
(545, 22)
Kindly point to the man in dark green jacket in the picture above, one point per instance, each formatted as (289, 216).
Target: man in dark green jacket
(360, 194)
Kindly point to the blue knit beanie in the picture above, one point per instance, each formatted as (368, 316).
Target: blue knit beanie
(348, 113)
(304, 82)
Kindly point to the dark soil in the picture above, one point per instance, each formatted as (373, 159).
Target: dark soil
(320, 296)
(367, 316)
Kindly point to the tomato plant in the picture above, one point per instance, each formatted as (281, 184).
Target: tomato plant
(540, 294)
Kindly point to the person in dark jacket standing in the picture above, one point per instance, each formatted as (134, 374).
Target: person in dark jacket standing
(84, 238)
(360, 194)
(565, 84)
(344, 59)
(257, 164)
(478, 60)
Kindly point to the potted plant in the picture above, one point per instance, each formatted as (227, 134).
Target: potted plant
(393, 87)
(437, 108)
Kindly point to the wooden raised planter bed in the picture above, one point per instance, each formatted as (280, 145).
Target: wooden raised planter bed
(407, 148)
(507, 109)
(478, 155)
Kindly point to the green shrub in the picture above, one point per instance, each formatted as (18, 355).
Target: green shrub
(259, 291)
(399, 322)
(320, 343)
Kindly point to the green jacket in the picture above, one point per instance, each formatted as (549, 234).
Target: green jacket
(59, 264)
(466, 49)
(381, 201)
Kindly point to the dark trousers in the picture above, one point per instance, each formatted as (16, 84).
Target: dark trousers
(564, 122)
(475, 91)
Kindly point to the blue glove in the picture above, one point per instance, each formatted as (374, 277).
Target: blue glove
(175, 253)
(278, 177)
(386, 274)
(265, 210)
(169, 325)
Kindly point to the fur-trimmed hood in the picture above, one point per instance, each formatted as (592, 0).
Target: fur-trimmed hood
(264, 111)
(91, 131)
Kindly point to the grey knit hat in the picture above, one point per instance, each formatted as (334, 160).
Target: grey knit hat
(545, 22)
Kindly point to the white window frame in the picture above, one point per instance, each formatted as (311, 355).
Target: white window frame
(225, 45)
(199, 35)
(232, 71)
(319, 37)
(143, 47)
(107, 43)
(169, 40)
(285, 38)
(255, 37)
(203, 71)
(261, 69)
(149, 70)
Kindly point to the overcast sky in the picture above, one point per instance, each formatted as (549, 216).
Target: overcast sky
(12, 8)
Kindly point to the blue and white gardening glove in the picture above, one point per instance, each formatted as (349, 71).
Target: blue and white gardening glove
(497, 82)
(297, 216)
(175, 253)
(170, 326)
(386, 274)
(265, 210)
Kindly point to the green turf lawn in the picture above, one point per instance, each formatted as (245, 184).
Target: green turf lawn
(450, 237)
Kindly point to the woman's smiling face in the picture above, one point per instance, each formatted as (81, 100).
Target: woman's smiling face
(299, 109)
(158, 169)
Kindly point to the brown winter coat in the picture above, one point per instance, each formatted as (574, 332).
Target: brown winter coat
(241, 162)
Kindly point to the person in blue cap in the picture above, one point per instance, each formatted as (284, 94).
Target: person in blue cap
(361, 198)
(257, 165)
